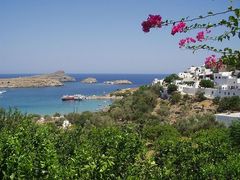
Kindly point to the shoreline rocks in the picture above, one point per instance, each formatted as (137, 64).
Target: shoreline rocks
(45, 80)
(89, 80)
(116, 82)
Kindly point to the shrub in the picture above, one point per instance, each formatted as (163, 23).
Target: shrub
(235, 133)
(206, 83)
(229, 103)
(171, 88)
(153, 132)
(175, 98)
(216, 100)
(196, 123)
(169, 79)
(200, 96)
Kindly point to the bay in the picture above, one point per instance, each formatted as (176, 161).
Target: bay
(47, 100)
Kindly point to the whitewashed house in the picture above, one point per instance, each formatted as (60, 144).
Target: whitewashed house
(158, 81)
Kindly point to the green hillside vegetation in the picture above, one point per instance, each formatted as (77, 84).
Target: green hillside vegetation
(140, 137)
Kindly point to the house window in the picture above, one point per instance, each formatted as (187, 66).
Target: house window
(212, 92)
(219, 77)
(225, 93)
(234, 94)
(228, 93)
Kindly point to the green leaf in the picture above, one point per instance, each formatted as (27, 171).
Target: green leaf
(237, 12)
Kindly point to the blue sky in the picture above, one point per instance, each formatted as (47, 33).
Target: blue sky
(95, 36)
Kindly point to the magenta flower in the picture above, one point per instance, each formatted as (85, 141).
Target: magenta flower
(200, 36)
(178, 28)
(213, 63)
(188, 40)
(152, 21)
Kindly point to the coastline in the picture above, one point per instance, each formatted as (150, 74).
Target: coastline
(47, 100)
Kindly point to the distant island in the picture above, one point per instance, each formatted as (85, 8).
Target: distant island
(118, 82)
(89, 80)
(44, 80)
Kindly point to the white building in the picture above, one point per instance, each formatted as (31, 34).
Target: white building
(227, 118)
(158, 81)
(185, 75)
(226, 83)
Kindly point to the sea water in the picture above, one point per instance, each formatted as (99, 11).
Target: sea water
(47, 100)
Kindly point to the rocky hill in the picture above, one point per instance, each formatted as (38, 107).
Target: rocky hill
(45, 80)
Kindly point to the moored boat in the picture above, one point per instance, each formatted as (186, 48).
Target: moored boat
(76, 97)
(1, 92)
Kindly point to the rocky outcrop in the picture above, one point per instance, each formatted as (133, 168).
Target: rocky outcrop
(28, 82)
(59, 75)
(118, 82)
(89, 80)
(45, 80)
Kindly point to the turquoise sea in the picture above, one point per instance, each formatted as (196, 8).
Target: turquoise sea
(48, 100)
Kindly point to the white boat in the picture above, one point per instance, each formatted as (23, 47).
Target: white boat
(76, 97)
(1, 92)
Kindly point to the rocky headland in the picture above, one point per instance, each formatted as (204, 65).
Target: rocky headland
(45, 80)
(59, 75)
(118, 82)
(89, 80)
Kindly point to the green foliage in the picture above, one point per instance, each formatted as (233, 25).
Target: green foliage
(206, 83)
(172, 77)
(229, 103)
(235, 133)
(216, 100)
(136, 106)
(171, 88)
(175, 98)
(157, 88)
(192, 158)
(196, 123)
(108, 154)
(56, 114)
(153, 132)
(200, 96)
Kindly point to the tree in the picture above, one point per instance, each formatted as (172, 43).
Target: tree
(171, 88)
(206, 83)
(172, 77)
(228, 28)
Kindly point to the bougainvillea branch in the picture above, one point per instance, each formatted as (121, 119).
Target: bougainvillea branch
(230, 25)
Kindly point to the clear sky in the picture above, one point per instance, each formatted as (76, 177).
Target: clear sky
(95, 36)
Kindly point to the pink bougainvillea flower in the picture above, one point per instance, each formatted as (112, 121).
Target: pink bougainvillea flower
(178, 28)
(200, 36)
(213, 62)
(188, 40)
(152, 21)
(219, 64)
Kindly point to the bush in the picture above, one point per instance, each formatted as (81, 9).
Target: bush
(229, 103)
(197, 123)
(206, 83)
(153, 132)
(169, 79)
(216, 100)
(200, 96)
(56, 114)
(171, 88)
(157, 88)
(175, 98)
(235, 133)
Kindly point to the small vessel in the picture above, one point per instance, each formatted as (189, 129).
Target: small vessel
(76, 97)
(1, 92)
